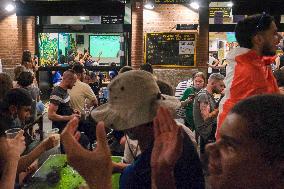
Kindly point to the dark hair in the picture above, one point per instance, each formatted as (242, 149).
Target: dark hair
(17, 97)
(146, 67)
(125, 69)
(5, 83)
(216, 76)
(113, 64)
(27, 56)
(78, 68)
(17, 71)
(25, 79)
(279, 76)
(165, 88)
(264, 118)
(250, 26)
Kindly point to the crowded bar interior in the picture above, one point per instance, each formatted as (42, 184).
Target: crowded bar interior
(136, 94)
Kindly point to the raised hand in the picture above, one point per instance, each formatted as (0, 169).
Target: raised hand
(167, 149)
(14, 147)
(51, 141)
(94, 166)
(11, 150)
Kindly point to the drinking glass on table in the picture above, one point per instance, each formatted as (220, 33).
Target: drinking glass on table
(55, 150)
(53, 132)
(12, 133)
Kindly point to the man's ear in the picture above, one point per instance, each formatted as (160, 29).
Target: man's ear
(257, 40)
(13, 109)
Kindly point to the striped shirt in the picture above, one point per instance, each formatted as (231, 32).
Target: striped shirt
(181, 87)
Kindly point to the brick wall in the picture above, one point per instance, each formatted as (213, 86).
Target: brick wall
(16, 35)
(137, 50)
(164, 18)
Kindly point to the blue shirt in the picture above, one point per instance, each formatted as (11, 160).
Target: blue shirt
(188, 170)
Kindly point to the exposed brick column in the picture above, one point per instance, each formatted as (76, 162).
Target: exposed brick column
(10, 40)
(28, 33)
(203, 36)
(137, 50)
(16, 35)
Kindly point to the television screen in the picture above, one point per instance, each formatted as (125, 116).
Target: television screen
(231, 37)
(106, 45)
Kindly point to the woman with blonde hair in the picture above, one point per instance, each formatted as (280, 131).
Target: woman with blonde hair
(189, 94)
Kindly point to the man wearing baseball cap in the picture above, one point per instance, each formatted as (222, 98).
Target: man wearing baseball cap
(133, 103)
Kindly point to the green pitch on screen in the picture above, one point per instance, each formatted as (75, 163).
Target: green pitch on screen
(108, 45)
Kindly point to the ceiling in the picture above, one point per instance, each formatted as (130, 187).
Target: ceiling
(274, 7)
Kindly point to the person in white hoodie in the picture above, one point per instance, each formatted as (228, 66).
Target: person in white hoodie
(248, 70)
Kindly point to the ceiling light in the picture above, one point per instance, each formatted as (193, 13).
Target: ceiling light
(82, 18)
(230, 4)
(149, 5)
(9, 7)
(194, 5)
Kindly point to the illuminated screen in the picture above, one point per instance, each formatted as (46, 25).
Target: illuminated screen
(231, 37)
(107, 45)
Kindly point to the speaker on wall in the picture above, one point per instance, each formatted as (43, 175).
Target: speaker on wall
(80, 39)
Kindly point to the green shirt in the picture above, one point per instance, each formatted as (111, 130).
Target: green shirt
(189, 107)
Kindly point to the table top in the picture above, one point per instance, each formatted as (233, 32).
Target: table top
(55, 173)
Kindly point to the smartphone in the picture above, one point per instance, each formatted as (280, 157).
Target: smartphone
(192, 96)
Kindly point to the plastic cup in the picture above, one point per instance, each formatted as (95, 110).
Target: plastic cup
(53, 132)
(12, 133)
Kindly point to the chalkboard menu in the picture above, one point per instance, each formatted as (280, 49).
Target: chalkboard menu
(170, 49)
(172, 1)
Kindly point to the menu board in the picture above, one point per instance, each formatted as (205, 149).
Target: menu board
(170, 49)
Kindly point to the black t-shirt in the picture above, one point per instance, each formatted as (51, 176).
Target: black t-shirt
(61, 98)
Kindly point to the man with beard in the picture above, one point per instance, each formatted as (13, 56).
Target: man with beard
(205, 111)
(248, 71)
(59, 110)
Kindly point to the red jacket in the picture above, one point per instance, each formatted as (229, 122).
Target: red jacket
(247, 75)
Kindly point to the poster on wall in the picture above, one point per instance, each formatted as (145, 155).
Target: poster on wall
(226, 11)
(186, 47)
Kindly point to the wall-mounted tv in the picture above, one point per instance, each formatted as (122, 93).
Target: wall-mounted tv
(106, 45)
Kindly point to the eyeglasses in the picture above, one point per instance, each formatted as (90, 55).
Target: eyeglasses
(260, 22)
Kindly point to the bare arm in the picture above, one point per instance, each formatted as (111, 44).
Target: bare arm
(53, 116)
(9, 174)
(203, 127)
(204, 109)
(186, 102)
(277, 61)
(26, 160)
(118, 167)
(11, 149)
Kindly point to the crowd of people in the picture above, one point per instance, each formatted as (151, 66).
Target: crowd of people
(231, 137)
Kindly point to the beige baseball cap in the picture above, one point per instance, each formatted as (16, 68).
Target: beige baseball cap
(134, 97)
